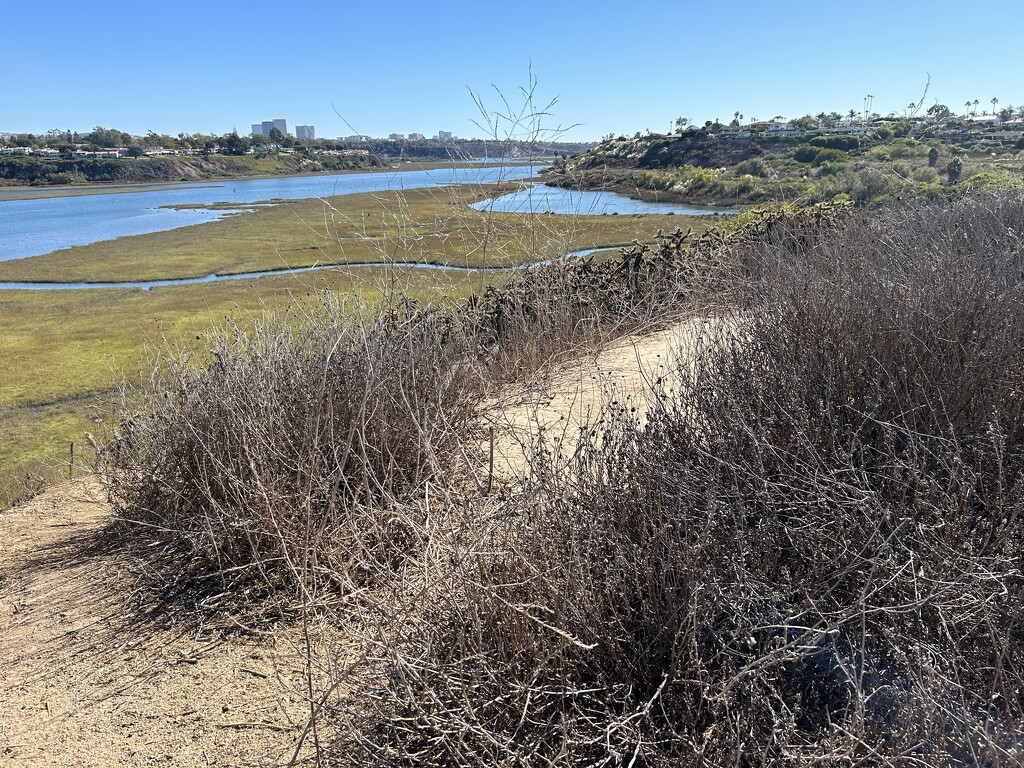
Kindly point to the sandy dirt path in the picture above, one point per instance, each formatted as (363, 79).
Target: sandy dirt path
(556, 410)
(87, 681)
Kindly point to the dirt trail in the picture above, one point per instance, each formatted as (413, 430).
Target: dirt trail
(84, 681)
(554, 411)
(87, 679)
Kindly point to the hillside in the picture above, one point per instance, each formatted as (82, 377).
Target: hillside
(737, 167)
(745, 497)
(40, 171)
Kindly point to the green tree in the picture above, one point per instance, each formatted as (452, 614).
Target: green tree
(107, 137)
(234, 144)
(933, 157)
(954, 170)
(276, 136)
(939, 112)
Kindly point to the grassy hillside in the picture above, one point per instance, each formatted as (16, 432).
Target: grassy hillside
(727, 169)
(44, 172)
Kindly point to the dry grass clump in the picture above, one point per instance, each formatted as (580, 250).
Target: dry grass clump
(300, 453)
(580, 302)
(809, 555)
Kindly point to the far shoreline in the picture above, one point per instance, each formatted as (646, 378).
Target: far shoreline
(26, 192)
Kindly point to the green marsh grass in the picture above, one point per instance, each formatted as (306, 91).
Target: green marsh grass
(428, 225)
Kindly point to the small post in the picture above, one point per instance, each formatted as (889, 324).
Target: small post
(71, 466)
(490, 467)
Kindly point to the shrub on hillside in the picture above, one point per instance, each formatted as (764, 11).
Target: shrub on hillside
(845, 143)
(810, 553)
(296, 456)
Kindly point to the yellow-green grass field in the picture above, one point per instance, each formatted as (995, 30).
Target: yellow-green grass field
(63, 351)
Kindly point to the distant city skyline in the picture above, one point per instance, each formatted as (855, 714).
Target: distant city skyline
(598, 70)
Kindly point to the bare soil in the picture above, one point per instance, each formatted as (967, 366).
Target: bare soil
(93, 674)
(89, 679)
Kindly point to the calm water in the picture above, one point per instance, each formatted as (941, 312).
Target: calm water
(540, 198)
(35, 227)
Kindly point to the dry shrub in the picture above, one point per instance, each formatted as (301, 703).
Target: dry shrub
(298, 454)
(809, 555)
(577, 303)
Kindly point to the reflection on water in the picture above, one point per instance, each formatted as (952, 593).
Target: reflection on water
(540, 198)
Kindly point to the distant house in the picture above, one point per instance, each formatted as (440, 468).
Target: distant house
(779, 130)
(1004, 135)
(984, 120)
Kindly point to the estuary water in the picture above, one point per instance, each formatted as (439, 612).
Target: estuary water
(35, 227)
(540, 198)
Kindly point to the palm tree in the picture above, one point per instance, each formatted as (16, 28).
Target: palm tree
(994, 101)
(967, 107)
(975, 107)
(851, 114)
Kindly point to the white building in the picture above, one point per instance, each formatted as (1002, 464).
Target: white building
(397, 137)
(444, 135)
(306, 132)
(416, 137)
(264, 128)
(783, 129)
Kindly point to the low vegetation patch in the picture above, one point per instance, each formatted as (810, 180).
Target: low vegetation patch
(809, 554)
(294, 458)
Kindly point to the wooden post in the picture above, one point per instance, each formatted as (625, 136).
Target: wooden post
(71, 466)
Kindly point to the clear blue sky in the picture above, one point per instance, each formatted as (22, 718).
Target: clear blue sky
(409, 66)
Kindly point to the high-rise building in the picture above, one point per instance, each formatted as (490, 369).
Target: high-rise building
(416, 137)
(263, 129)
(444, 135)
(396, 137)
(307, 132)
